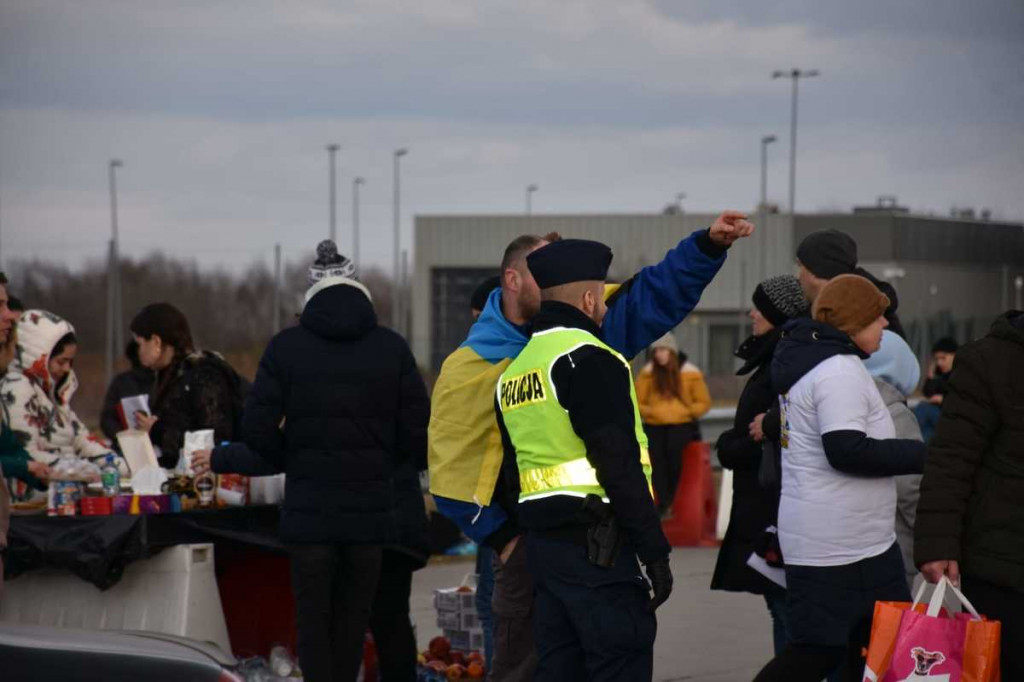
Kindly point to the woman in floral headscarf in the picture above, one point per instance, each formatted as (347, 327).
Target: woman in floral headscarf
(37, 389)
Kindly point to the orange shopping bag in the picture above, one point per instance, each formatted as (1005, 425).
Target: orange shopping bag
(912, 644)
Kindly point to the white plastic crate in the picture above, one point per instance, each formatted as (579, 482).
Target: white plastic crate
(175, 592)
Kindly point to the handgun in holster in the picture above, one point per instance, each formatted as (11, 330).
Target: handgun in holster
(603, 537)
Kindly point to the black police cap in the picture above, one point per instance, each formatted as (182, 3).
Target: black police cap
(569, 260)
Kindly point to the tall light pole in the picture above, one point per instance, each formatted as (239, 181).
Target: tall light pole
(530, 189)
(114, 332)
(356, 182)
(679, 201)
(762, 207)
(332, 150)
(396, 271)
(794, 75)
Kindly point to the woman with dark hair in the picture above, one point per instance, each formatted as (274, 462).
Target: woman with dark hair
(137, 380)
(672, 396)
(777, 300)
(194, 389)
(37, 391)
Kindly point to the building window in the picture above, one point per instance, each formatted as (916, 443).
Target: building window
(723, 340)
(450, 315)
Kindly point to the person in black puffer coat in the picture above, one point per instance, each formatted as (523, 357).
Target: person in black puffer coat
(970, 518)
(338, 405)
(777, 300)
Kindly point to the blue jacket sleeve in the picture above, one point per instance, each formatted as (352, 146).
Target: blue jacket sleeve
(465, 515)
(656, 299)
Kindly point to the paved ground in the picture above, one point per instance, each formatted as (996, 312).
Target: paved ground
(703, 636)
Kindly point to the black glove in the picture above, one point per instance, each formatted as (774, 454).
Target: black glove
(660, 575)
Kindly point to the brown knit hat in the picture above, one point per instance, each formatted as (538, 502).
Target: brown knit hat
(849, 303)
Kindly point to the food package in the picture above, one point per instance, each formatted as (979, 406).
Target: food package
(232, 490)
(194, 441)
(63, 497)
(143, 504)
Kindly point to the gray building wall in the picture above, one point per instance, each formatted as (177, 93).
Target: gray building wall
(951, 276)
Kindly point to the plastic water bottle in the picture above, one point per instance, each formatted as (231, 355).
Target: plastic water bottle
(111, 477)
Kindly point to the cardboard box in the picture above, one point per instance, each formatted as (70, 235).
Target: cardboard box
(456, 599)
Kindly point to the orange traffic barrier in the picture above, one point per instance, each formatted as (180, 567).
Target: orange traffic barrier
(695, 507)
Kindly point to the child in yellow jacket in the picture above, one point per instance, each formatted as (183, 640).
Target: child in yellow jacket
(671, 399)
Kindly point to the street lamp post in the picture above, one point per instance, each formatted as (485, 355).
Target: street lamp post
(530, 189)
(114, 318)
(762, 207)
(794, 75)
(332, 150)
(396, 271)
(356, 182)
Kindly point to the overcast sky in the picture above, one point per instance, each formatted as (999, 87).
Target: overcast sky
(221, 109)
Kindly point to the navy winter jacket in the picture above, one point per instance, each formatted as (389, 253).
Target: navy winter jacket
(338, 405)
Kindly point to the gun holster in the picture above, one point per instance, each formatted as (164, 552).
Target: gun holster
(604, 539)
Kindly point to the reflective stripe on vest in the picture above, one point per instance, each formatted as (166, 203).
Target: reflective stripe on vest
(550, 456)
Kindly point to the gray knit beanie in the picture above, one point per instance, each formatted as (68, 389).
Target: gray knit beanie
(330, 263)
(780, 299)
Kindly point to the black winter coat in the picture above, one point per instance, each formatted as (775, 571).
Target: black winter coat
(199, 394)
(354, 411)
(753, 507)
(972, 494)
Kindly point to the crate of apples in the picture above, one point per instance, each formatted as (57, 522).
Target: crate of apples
(452, 665)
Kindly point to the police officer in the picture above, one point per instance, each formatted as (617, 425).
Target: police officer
(568, 416)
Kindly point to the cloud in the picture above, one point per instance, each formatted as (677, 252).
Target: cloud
(221, 110)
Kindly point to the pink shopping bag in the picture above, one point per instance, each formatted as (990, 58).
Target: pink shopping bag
(908, 645)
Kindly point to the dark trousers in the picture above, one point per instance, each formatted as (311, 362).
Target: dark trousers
(828, 615)
(334, 586)
(590, 623)
(776, 601)
(484, 597)
(515, 657)
(666, 445)
(389, 619)
(1007, 606)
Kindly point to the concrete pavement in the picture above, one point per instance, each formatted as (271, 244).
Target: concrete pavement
(703, 636)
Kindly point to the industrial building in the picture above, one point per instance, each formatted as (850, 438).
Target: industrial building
(952, 275)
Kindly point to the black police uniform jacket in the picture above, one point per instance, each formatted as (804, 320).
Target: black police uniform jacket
(593, 387)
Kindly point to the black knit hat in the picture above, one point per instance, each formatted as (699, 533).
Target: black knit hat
(946, 344)
(780, 299)
(569, 260)
(330, 263)
(478, 301)
(828, 253)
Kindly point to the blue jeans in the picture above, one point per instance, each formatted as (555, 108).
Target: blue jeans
(484, 592)
(927, 418)
(776, 601)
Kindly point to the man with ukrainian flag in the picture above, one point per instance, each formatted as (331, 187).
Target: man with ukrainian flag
(569, 419)
(465, 449)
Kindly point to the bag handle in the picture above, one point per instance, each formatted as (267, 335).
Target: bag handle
(935, 604)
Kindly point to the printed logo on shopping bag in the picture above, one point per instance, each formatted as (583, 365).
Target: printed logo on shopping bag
(924, 661)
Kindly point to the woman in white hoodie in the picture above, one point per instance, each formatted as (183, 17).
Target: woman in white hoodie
(36, 392)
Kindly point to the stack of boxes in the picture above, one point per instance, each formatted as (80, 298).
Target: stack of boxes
(457, 618)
